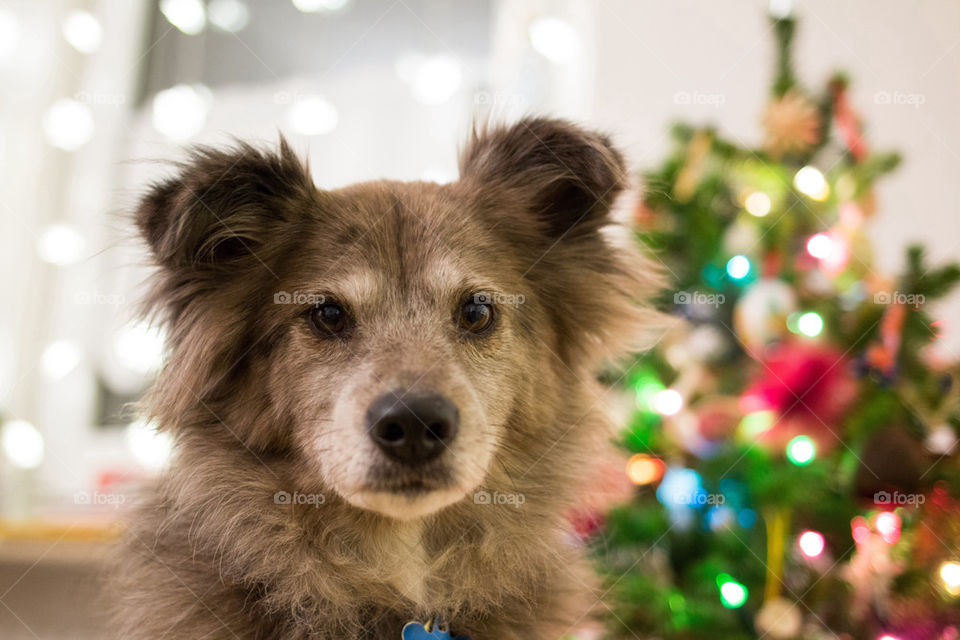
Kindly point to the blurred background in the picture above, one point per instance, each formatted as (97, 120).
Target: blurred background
(95, 92)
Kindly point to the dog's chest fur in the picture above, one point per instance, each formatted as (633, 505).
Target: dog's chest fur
(406, 562)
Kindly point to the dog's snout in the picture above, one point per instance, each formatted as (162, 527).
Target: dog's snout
(412, 428)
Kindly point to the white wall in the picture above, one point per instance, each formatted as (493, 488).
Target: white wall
(648, 50)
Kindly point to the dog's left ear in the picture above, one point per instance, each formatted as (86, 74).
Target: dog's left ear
(566, 177)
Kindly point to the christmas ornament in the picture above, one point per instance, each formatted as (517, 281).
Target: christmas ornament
(718, 418)
(940, 515)
(760, 315)
(692, 172)
(643, 215)
(883, 356)
(810, 387)
(779, 618)
(606, 487)
(870, 571)
(792, 124)
(693, 344)
(707, 342)
(741, 237)
(892, 464)
(847, 121)
(684, 429)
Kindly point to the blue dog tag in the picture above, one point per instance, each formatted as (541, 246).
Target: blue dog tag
(417, 631)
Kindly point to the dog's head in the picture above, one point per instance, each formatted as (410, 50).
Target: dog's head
(391, 337)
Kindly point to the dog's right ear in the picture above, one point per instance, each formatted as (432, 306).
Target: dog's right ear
(221, 206)
(564, 176)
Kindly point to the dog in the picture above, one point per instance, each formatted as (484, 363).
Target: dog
(383, 397)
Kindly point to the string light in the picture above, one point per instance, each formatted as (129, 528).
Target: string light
(732, 594)
(180, 112)
(887, 524)
(810, 324)
(860, 530)
(720, 517)
(810, 182)
(644, 469)
(950, 575)
(312, 116)
(819, 246)
(82, 30)
(646, 389)
(758, 204)
(680, 487)
(68, 124)
(554, 39)
(60, 358)
(22, 444)
(747, 518)
(151, 448)
(738, 267)
(757, 422)
(60, 244)
(437, 79)
(667, 402)
(801, 450)
(189, 16)
(228, 15)
(811, 543)
(139, 348)
(781, 8)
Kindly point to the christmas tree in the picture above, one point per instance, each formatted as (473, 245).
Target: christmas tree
(794, 438)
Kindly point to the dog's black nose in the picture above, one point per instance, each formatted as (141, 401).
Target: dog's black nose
(412, 428)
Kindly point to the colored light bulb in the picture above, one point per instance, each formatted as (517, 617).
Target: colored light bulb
(801, 450)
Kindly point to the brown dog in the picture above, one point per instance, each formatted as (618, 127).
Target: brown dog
(382, 396)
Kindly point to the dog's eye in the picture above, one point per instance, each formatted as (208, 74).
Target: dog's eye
(329, 319)
(475, 317)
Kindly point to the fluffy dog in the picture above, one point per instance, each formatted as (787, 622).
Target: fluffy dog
(382, 396)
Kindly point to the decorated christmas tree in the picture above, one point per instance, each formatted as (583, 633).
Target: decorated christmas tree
(793, 438)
